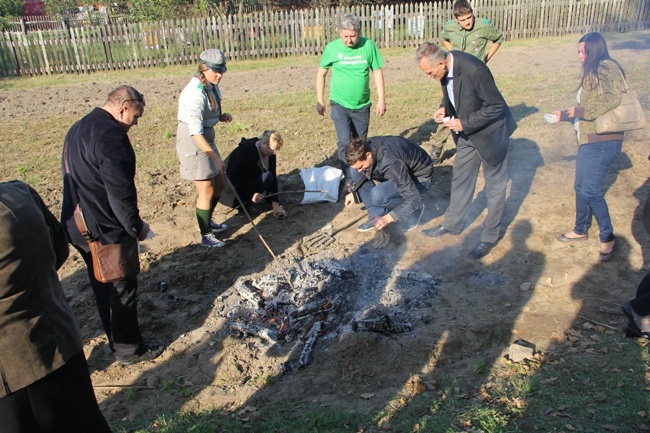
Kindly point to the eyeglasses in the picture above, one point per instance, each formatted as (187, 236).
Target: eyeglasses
(139, 100)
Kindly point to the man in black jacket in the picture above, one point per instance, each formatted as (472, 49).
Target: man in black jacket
(394, 174)
(98, 171)
(481, 123)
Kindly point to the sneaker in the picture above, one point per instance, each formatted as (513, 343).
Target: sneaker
(151, 352)
(218, 228)
(365, 227)
(210, 240)
(412, 221)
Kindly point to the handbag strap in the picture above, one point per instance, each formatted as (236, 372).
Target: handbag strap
(625, 87)
(81, 224)
(78, 213)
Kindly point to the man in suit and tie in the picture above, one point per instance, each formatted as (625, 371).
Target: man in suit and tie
(481, 123)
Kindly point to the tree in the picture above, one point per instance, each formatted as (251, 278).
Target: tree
(57, 7)
(154, 10)
(9, 9)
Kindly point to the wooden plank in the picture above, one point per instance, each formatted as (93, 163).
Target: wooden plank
(286, 34)
(66, 58)
(272, 32)
(75, 46)
(46, 62)
(295, 27)
(6, 58)
(25, 47)
(608, 10)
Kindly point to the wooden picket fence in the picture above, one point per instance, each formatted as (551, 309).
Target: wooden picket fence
(265, 34)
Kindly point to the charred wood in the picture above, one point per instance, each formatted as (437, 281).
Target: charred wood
(308, 348)
(258, 331)
(249, 293)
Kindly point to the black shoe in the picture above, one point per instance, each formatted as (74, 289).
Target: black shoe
(633, 331)
(481, 249)
(635, 323)
(605, 257)
(152, 351)
(436, 232)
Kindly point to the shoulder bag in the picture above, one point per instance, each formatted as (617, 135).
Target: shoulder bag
(111, 262)
(626, 117)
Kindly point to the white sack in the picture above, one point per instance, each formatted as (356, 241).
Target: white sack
(324, 179)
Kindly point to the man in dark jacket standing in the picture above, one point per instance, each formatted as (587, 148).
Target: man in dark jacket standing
(45, 384)
(481, 124)
(99, 171)
(394, 174)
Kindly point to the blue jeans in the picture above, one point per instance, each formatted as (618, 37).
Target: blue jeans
(592, 166)
(348, 124)
(382, 198)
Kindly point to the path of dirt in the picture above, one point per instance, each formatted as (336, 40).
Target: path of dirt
(530, 287)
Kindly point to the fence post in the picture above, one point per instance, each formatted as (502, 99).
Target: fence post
(45, 59)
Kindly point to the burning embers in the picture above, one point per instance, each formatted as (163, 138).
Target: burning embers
(327, 300)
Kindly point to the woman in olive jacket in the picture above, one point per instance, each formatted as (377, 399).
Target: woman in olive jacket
(600, 91)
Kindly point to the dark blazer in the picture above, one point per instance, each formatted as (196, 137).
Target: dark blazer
(38, 331)
(486, 118)
(100, 177)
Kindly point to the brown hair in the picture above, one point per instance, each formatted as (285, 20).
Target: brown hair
(356, 150)
(461, 8)
(206, 85)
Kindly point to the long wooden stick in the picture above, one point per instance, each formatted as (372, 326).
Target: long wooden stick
(241, 203)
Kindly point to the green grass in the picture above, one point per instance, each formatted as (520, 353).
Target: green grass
(591, 382)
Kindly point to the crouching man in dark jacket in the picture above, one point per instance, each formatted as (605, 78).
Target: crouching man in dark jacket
(393, 174)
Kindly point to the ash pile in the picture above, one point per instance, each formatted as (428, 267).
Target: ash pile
(311, 301)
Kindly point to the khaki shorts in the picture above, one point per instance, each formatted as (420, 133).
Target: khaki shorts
(195, 164)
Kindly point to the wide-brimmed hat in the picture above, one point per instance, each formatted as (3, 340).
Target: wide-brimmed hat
(214, 59)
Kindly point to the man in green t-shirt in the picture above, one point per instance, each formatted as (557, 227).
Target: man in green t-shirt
(351, 58)
(465, 33)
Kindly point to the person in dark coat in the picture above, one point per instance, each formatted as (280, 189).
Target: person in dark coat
(481, 123)
(98, 175)
(45, 386)
(252, 171)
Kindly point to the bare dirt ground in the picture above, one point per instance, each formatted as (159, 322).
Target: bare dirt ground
(530, 287)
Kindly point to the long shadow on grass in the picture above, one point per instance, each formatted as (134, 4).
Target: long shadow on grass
(447, 364)
(597, 375)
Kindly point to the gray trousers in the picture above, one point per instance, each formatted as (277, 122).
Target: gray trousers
(463, 184)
